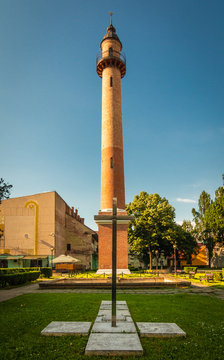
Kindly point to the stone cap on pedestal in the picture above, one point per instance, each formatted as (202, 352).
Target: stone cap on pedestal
(106, 217)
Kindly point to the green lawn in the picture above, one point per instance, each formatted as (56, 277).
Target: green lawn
(23, 318)
(196, 280)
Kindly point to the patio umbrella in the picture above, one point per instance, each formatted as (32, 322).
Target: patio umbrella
(65, 259)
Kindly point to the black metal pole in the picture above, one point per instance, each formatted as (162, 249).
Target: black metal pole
(114, 261)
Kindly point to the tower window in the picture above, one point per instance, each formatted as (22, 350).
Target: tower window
(111, 81)
(111, 163)
(110, 51)
(68, 247)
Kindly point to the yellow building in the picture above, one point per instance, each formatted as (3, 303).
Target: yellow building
(41, 226)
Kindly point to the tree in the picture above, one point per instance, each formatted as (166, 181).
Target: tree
(186, 242)
(209, 220)
(202, 229)
(4, 194)
(187, 226)
(214, 216)
(152, 225)
(4, 190)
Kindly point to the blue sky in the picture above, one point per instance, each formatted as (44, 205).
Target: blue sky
(172, 96)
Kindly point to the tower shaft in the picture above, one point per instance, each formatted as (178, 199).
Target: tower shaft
(112, 163)
(111, 67)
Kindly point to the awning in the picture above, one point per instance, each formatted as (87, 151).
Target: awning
(11, 258)
(35, 257)
(65, 259)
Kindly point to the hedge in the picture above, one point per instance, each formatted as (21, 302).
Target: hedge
(18, 270)
(187, 269)
(46, 271)
(19, 278)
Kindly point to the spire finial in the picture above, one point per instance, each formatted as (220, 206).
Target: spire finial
(111, 17)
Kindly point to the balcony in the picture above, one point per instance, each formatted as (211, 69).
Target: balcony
(110, 58)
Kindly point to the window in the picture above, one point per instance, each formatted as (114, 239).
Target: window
(111, 163)
(68, 247)
(111, 81)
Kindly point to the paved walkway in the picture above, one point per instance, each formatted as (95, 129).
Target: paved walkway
(34, 289)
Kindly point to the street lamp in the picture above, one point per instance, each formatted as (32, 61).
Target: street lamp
(175, 260)
(162, 258)
(52, 250)
(157, 253)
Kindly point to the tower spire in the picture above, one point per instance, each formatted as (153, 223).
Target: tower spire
(111, 17)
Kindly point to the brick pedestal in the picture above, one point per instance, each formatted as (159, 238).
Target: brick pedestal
(105, 244)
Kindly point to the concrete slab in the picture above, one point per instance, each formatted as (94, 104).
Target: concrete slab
(103, 318)
(109, 302)
(159, 329)
(59, 328)
(121, 327)
(118, 307)
(109, 271)
(123, 312)
(113, 344)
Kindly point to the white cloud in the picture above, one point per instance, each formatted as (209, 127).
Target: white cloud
(179, 222)
(186, 200)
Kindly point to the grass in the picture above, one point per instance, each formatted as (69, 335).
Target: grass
(23, 318)
(196, 279)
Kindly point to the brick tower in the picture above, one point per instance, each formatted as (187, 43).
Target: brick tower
(111, 67)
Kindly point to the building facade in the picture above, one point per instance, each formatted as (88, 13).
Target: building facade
(38, 227)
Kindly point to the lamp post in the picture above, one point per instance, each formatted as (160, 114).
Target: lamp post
(157, 253)
(161, 261)
(52, 251)
(175, 259)
(53, 247)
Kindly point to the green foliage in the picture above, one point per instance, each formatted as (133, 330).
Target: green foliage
(214, 216)
(217, 276)
(209, 220)
(46, 271)
(4, 194)
(186, 243)
(4, 190)
(187, 226)
(153, 227)
(17, 270)
(18, 278)
(187, 269)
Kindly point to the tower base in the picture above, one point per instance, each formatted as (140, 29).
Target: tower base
(105, 242)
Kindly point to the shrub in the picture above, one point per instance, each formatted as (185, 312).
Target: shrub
(18, 278)
(217, 276)
(187, 269)
(46, 271)
(17, 270)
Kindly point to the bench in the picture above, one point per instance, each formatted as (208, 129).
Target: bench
(209, 277)
(191, 274)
